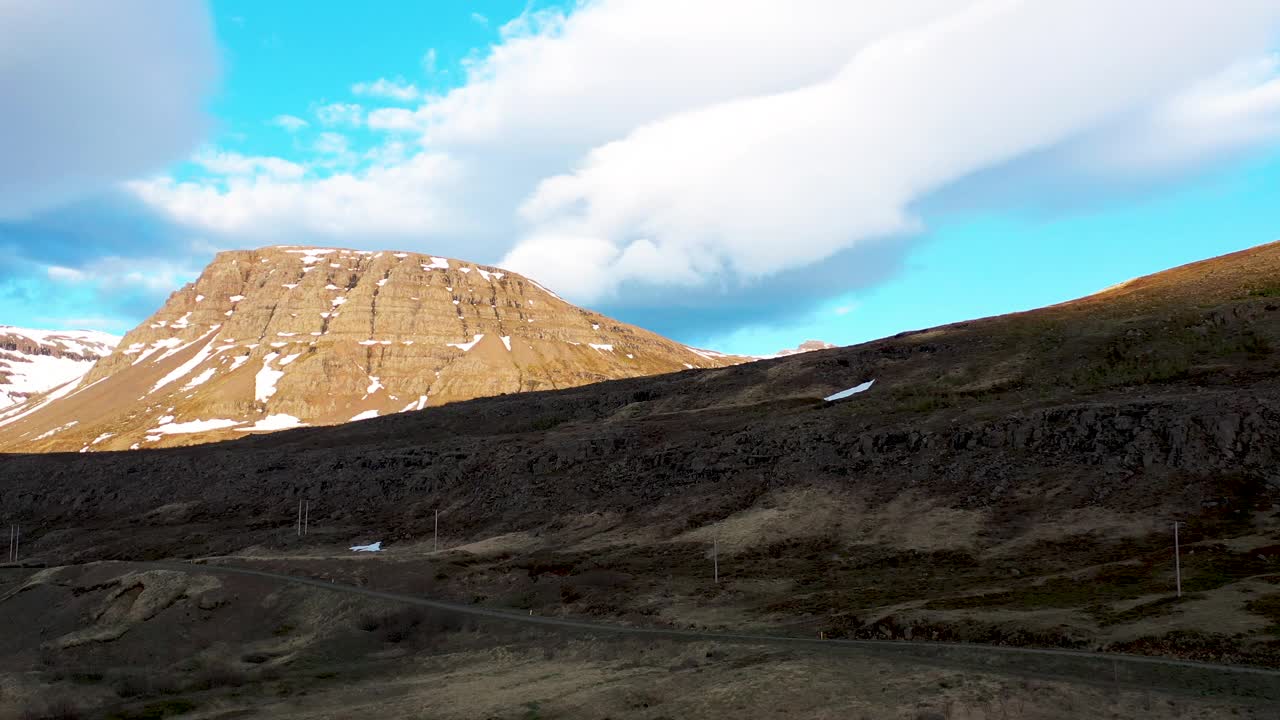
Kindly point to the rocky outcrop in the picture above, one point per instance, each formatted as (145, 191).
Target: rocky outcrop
(284, 337)
(804, 347)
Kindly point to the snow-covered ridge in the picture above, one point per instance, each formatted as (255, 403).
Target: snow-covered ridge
(36, 361)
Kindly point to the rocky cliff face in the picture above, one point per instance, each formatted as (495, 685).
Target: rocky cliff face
(284, 337)
(33, 362)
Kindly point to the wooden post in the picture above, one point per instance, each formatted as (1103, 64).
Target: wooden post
(1177, 558)
(299, 527)
(306, 519)
(435, 534)
(715, 558)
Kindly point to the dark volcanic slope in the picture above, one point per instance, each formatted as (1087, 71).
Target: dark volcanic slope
(1009, 480)
(1159, 395)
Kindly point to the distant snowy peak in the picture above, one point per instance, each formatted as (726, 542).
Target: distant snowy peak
(36, 361)
(804, 347)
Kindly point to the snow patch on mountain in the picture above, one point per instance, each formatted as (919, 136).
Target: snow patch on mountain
(464, 347)
(36, 361)
(265, 381)
(194, 426)
(271, 423)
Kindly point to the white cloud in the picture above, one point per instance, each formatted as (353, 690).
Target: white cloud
(64, 274)
(380, 202)
(114, 273)
(332, 143)
(396, 119)
(429, 62)
(156, 275)
(339, 114)
(756, 186)
(621, 148)
(478, 18)
(89, 322)
(1226, 113)
(389, 154)
(235, 164)
(292, 123)
(97, 92)
(574, 81)
(397, 89)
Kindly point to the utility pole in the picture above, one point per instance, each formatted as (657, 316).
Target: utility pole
(715, 558)
(306, 519)
(1177, 558)
(435, 535)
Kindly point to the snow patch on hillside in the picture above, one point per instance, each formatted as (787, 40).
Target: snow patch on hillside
(535, 284)
(56, 430)
(187, 367)
(264, 385)
(29, 375)
(271, 423)
(194, 426)
(851, 391)
(200, 379)
(464, 347)
(21, 411)
(708, 354)
(418, 404)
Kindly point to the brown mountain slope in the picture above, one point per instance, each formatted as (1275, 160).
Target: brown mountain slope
(283, 337)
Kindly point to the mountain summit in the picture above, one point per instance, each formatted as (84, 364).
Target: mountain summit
(283, 337)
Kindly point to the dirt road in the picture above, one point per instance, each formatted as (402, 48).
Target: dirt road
(1128, 671)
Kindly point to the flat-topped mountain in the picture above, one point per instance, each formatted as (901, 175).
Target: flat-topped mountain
(289, 336)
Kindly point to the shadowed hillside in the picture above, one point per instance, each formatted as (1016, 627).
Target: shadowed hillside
(1010, 480)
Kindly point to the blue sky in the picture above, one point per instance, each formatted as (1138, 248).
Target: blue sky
(287, 57)
(742, 176)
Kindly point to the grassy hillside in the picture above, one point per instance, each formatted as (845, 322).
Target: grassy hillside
(1012, 480)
